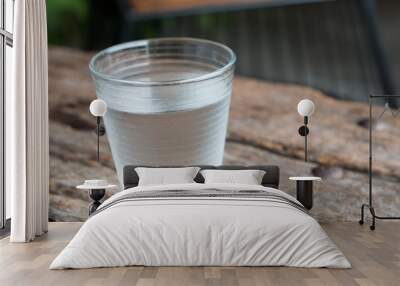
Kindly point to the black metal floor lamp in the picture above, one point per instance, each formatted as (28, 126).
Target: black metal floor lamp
(369, 205)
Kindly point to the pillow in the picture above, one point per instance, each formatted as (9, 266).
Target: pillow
(163, 176)
(248, 177)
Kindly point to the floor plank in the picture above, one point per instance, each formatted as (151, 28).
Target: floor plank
(375, 257)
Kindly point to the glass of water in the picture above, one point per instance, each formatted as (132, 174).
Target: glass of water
(168, 100)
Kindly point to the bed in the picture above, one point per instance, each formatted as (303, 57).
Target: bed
(198, 224)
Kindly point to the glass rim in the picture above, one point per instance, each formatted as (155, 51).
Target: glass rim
(138, 43)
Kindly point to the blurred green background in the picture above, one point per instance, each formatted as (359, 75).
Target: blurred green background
(67, 22)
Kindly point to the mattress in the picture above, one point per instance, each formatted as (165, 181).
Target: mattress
(201, 225)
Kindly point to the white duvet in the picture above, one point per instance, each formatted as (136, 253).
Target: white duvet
(200, 231)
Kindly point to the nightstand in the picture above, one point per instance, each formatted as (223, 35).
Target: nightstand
(97, 190)
(304, 190)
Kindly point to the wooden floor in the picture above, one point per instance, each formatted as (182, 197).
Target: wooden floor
(375, 257)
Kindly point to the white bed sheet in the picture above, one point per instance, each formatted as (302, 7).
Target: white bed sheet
(200, 231)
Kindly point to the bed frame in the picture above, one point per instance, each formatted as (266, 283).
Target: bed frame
(270, 179)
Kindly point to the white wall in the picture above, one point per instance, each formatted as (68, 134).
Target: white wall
(9, 13)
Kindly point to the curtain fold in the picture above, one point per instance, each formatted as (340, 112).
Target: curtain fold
(27, 156)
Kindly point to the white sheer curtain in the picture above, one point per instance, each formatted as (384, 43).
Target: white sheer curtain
(27, 159)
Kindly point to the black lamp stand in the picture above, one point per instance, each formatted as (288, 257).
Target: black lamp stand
(304, 131)
(100, 131)
(96, 195)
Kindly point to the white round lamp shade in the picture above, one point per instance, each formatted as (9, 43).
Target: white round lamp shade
(305, 107)
(98, 107)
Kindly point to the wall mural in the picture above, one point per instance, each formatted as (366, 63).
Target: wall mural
(272, 75)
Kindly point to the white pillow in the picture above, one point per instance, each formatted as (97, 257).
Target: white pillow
(248, 177)
(163, 176)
